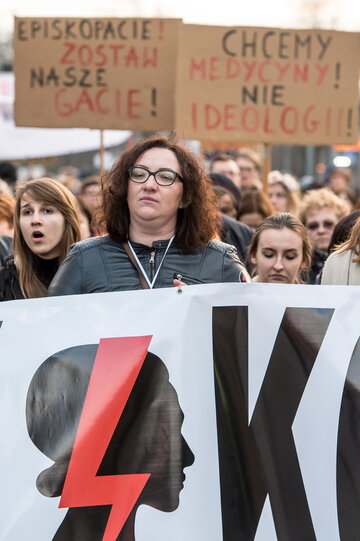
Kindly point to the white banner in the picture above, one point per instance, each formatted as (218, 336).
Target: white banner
(237, 331)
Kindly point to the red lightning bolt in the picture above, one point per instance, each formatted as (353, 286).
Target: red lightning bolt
(117, 365)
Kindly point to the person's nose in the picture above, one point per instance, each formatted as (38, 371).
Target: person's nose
(150, 184)
(36, 218)
(278, 265)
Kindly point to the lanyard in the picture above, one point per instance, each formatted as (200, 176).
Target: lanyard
(151, 284)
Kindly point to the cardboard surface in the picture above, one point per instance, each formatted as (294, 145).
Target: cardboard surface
(267, 84)
(95, 73)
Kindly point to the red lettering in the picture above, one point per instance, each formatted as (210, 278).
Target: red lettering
(69, 49)
(212, 117)
(282, 70)
(132, 59)
(99, 51)
(131, 104)
(85, 55)
(267, 119)
(115, 49)
(322, 71)
(289, 125)
(261, 70)
(151, 61)
(213, 69)
(99, 107)
(310, 125)
(249, 70)
(250, 119)
(84, 99)
(62, 109)
(197, 67)
(328, 120)
(301, 73)
(194, 116)
(117, 102)
(232, 68)
(228, 116)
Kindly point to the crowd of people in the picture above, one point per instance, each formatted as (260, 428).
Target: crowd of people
(162, 217)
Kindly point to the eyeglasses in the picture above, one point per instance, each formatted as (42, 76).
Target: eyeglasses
(163, 177)
(327, 224)
(246, 169)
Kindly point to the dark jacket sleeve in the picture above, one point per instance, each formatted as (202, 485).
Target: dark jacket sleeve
(233, 269)
(68, 279)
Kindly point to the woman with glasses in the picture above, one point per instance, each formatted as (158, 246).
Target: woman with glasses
(320, 211)
(162, 224)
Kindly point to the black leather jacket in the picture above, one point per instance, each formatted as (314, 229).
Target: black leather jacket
(9, 281)
(101, 264)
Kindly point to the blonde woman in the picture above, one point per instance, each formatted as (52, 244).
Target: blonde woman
(342, 267)
(46, 223)
(280, 250)
(284, 192)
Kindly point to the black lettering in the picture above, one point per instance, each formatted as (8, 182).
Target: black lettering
(70, 76)
(249, 95)
(283, 45)
(109, 31)
(264, 44)
(35, 28)
(99, 77)
(69, 25)
(37, 77)
(21, 31)
(248, 44)
(56, 25)
(120, 29)
(260, 459)
(85, 29)
(324, 45)
(52, 77)
(83, 79)
(299, 43)
(99, 25)
(224, 42)
(348, 452)
(277, 95)
(145, 30)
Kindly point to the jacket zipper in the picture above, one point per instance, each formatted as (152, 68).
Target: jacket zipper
(181, 277)
(152, 264)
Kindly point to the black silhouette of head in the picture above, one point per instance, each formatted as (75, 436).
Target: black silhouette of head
(147, 438)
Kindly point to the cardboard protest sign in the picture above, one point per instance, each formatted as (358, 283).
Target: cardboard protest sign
(267, 84)
(95, 73)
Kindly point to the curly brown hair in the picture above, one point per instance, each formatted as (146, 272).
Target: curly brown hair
(197, 221)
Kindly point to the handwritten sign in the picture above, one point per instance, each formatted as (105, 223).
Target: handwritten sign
(268, 84)
(95, 73)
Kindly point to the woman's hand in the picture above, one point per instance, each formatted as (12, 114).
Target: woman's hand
(178, 283)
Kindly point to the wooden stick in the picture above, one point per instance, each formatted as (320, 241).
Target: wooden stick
(101, 152)
(266, 166)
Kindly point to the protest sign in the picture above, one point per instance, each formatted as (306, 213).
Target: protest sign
(268, 85)
(228, 411)
(95, 73)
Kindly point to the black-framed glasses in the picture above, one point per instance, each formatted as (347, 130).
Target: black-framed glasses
(163, 177)
(327, 224)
